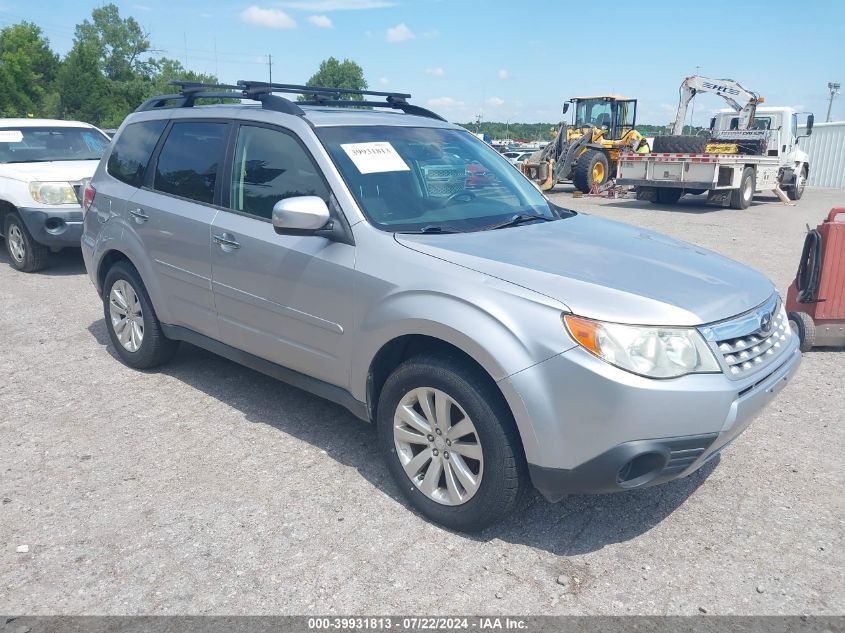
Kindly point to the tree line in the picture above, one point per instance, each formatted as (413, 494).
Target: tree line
(108, 72)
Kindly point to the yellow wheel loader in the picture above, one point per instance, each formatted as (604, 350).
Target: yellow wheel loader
(587, 151)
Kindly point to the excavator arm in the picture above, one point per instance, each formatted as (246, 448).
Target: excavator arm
(742, 100)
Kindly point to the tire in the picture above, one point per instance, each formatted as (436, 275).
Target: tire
(591, 168)
(25, 254)
(668, 195)
(502, 468)
(797, 190)
(804, 326)
(679, 144)
(741, 198)
(152, 348)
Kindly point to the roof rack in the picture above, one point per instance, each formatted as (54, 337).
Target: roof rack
(263, 92)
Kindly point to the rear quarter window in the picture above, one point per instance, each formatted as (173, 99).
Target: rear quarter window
(132, 150)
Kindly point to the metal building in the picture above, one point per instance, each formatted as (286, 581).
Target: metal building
(826, 147)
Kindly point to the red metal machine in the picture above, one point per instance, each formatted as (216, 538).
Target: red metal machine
(815, 301)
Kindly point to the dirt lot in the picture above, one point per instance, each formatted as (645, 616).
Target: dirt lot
(208, 488)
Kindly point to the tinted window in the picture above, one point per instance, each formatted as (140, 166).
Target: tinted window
(42, 144)
(132, 151)
(189, 160)
(270, 165)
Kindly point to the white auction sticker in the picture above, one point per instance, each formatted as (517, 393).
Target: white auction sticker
(374, 158)
(11, 136)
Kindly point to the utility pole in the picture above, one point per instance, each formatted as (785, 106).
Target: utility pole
(270, 66)
(833, 86)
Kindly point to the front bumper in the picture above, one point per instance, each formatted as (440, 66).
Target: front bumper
(58, 227)
(596, 428)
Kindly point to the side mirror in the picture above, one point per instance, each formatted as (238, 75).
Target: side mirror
(301, 215)
(566, 107)
(811, 118)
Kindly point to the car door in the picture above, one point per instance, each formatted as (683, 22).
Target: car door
(284, 298)
(172, 216)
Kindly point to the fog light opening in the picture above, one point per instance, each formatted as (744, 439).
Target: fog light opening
(54, 225)
(640, 470)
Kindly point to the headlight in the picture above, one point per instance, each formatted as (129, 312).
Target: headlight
(53, 193)
(656, 352)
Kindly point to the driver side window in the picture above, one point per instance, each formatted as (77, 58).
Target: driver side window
(270, 165)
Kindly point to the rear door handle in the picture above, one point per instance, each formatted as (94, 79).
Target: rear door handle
(139, 215)
(226, 241)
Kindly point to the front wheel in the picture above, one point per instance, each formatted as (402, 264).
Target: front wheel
(131, 321)
(450, 442)
(797, 190)
(591, 169)
(25, 254)
(804, 327)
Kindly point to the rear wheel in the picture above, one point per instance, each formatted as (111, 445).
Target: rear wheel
(591, 168)
(797, 190)
(131, 321)
(668, 195)
(25, 254)
(741, 198)
(450, 442)
(804, 327)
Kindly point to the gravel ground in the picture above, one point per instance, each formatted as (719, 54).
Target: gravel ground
(208, 488)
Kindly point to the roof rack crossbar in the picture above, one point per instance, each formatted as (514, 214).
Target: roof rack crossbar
(264, 86)
(187, 87)
(185, 100)
(407, 108)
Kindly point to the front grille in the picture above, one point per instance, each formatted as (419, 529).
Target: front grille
(442, 181)
(756, 349)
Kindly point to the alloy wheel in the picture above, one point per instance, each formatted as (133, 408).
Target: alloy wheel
(438, 446)
(127, 319)
(16, 242)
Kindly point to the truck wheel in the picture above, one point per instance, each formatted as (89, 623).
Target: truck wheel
(25, 254)
(804, 326)
(678, 144)
(668, 195)
(741, 198)
(450, 442)
(797, 190)
(591, 168)
(131, 321)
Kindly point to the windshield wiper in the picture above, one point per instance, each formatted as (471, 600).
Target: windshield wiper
(516, 220)
(432, 228)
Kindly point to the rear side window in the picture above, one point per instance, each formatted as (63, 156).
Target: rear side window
(132, 151)
(190, 159)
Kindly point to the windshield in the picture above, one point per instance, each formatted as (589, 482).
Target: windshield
(42, 144)
(595, 112)
(408, 179)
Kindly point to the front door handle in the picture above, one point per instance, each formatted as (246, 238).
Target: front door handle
(139, 215)
(226, 241)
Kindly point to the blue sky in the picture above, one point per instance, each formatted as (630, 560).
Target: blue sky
(506, 60)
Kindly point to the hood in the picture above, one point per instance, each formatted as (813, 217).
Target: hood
(607, 270)
(59, 170)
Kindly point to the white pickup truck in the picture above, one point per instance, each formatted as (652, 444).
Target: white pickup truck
(730, 179)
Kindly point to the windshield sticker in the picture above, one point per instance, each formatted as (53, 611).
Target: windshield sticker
(11, 136)
(375, 158)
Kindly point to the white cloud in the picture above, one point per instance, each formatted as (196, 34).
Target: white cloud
(336, 5)
(384, 81)
(430, 35)
(400, 33)
(322, 21)
(270, 18)
(437, 72)
(503, 74)
(444, 102)
(495, 102)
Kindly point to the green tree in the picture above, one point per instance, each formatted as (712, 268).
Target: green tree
(84, 93)
(27, 69)
(121, 44)
(337, 74)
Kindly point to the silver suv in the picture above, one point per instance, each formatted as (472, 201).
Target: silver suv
(394, 263)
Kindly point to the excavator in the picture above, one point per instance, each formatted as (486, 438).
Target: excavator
(586, 152)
